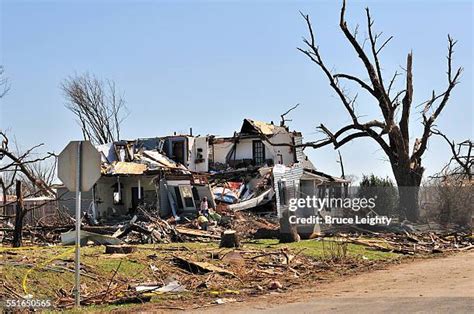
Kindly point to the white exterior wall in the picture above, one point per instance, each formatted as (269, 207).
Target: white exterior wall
(286, 152)
(244, 149)
(189, 152)
(221, 150)
(195, 144)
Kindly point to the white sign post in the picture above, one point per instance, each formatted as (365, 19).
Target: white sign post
(79, 170)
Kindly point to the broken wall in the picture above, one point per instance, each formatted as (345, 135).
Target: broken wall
(281, 154)
(244, 150)
(199, 154)
(106, 186)
(172, 196)
(220, 150)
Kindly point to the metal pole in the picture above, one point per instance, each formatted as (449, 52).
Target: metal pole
(77, 287)
(94, 209)
(139, 190)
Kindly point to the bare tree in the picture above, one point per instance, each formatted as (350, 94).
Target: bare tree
(44, 170)
(21, 163)
(391, 133)
(449, 199)
(15, 169)
(97, 106)
(462, 155)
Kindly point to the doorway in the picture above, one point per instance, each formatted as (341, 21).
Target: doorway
(135, 200)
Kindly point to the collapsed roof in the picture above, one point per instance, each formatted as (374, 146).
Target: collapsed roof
(124, 158)
(250, 126)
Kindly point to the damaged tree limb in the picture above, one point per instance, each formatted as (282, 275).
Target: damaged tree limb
(461, 154)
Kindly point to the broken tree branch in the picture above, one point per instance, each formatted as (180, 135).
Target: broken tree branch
(283, 120)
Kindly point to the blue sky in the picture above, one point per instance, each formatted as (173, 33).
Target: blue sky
(208, 65)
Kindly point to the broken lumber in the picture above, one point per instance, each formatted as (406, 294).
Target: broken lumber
(196, 233)
(119, 249)
(200, 267)
(381, 248)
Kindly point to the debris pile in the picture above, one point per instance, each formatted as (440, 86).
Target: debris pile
(146, 227)
(244, 188)
(210, 273)
(416, 243)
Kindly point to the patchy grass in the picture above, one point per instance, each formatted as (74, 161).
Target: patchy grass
(42, 282)
(48, 270)
(317, 248)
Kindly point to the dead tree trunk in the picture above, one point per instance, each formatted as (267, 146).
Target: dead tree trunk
(288, 232)
(229, 239)
(20, 213)
(408, 181)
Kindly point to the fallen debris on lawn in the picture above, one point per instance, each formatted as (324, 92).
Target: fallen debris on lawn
(412, 243)
(69, 238)
(200, 267)
(204, 274)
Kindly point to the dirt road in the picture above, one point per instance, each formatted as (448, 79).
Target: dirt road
(436, 286)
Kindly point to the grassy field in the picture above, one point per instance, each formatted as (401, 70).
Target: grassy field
(45, 272)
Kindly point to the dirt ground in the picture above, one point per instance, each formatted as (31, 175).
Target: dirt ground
(432, 285)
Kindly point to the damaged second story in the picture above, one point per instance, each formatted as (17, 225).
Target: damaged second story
(257, 144)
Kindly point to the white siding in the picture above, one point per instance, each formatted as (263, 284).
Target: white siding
(199, 143)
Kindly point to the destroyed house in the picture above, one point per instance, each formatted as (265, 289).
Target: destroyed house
(134, 176)
(265, 164)
(261, 164)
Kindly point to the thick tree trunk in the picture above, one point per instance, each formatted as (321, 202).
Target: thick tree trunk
(408, 203)
(408, 182)
(17, 232)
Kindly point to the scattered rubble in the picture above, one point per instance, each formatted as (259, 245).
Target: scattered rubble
(214, 273)
(69, 238)
(416, 243)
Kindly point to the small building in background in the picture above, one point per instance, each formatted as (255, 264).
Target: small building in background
(39, 209)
